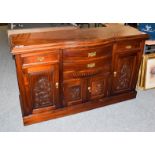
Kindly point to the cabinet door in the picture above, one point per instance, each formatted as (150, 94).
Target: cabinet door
(74, 91)
(124, 71)
(98, 87)
(42, 87)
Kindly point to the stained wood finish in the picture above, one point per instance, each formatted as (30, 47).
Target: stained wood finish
(99, 87)
(124, 71)
(74, 92)
(128, 45)
(39, 58)
(82, 54)
(40, 84)
(69, 71)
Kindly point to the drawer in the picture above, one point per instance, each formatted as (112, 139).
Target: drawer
(86, 68)
(39, 58)
(87, 65)
(71, 55)
(128, 45)
(86, 73)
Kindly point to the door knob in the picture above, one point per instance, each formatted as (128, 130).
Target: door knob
(115, 74)
(89, 89)
(57, 85)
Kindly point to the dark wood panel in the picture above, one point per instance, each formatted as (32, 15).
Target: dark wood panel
(42, 86)
(74, 91)
(124, 71)
(98, 86)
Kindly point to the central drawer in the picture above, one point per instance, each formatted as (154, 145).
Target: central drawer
(85, 65)
(81, 54)
(80, 69)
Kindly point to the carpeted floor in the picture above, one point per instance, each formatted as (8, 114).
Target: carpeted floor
(133, 115)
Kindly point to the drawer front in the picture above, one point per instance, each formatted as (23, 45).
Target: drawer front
(71, 55)
(87, 65)
(128, 45)
(86, 69)
(86, 73)
(39, 58)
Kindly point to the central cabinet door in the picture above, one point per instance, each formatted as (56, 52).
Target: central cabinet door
(82, 90)
(98, 87)
(42, 87)
(85, 73)
(74, 91)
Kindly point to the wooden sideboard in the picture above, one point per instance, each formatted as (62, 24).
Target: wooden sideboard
(69, 71)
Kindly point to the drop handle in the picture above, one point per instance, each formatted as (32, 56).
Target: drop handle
(57, 85)
(89, 89)
(91, 65)
(92, 54)
(115, 74)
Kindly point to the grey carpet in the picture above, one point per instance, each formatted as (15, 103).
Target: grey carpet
(133, 115)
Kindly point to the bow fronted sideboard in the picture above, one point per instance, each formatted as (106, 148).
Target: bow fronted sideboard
(68, 71)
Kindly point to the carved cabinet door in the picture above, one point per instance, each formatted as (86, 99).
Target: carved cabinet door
(74, 91)
(124, 71)
(42, 87)
(98, 87)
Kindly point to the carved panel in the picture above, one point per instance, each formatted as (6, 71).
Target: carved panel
(97, 88)
(124, 76)
(42, 93)
(83, 74)
(75, 93)
(125, 64)
(41, 86)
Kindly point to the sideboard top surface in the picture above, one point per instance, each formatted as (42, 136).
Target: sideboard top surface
(73, 37)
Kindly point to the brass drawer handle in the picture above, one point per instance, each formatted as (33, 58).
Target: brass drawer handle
(128, 47)
(92, 54)
(57, 85)
(91, 65)
(40, 59)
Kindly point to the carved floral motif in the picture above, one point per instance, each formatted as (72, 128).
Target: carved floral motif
(42, 93)
(98, 88)
(75, 93)
(124, 77)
